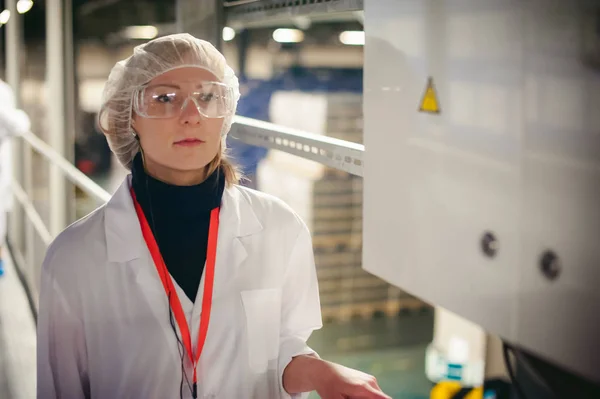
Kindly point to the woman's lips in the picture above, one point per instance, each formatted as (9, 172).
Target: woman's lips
(189, 142)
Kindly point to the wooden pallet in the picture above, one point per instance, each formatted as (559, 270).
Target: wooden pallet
(338, 241)
(329, 226)
(369, 310)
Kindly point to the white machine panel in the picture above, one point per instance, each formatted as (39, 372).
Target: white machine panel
(482, 195)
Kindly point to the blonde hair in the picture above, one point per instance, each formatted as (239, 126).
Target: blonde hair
(230, 170)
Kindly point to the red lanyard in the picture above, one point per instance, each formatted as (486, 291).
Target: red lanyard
(174, 302)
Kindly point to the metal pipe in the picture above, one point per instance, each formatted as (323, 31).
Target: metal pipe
(55, 80)
(239, 3)
(32, 214)
(28, 191)
(338, 154)
(65, 167)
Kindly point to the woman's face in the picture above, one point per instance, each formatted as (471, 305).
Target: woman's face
(187, 140)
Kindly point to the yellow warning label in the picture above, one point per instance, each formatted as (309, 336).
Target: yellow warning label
(429, 102)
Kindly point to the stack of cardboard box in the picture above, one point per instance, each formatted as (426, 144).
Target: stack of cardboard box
(330, 201)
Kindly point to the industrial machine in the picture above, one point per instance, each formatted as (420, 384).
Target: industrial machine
(482, 172)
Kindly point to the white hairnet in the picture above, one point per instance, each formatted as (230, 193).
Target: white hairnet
(147, 62)
(13, 121)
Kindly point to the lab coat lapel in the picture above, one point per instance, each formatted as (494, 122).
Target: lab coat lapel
(124, 240)
(126, 247)
(237, 220)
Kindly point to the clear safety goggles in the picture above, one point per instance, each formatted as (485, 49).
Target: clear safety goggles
(212, 99)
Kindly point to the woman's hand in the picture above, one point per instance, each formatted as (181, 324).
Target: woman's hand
(307, 373)
(334, 381)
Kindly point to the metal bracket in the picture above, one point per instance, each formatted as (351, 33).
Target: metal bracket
(243, 14)
(338, 154)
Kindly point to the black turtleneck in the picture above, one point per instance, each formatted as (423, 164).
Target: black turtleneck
(179, 217)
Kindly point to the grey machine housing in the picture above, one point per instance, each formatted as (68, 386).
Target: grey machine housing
(489, 206)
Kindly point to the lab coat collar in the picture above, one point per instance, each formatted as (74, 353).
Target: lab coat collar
(124, 240)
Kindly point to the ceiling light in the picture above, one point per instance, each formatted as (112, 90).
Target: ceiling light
(4, 17)
(228, 33)
(288, 35)
(140, 32)
(23, 6)
(353, 37)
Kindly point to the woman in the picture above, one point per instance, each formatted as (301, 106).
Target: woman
(184, 284)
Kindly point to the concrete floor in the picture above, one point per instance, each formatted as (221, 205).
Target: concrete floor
(5, 388)
(391, 349)
(17, 338)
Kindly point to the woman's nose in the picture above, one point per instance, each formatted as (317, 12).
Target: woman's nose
(189, 113)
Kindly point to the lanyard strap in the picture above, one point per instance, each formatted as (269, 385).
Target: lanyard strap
(174, 302)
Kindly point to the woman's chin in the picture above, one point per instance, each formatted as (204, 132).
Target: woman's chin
(192, 165)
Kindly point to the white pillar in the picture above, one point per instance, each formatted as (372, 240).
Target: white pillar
(13, 78)
(56, 89)
(13, 44)
(71, 105)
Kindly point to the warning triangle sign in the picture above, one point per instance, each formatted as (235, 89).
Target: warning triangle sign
(430, 102)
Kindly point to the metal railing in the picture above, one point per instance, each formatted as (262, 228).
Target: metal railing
(28, 226)
(338, 154)
(69, 170)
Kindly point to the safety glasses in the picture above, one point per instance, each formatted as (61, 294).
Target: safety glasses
(211, 99)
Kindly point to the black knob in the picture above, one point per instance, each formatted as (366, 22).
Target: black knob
(550, 265)
(489, 244)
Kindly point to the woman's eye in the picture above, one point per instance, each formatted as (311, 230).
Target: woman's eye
(163, 98)
(207, 97)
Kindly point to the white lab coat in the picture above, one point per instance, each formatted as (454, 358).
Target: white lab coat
(104, 330)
